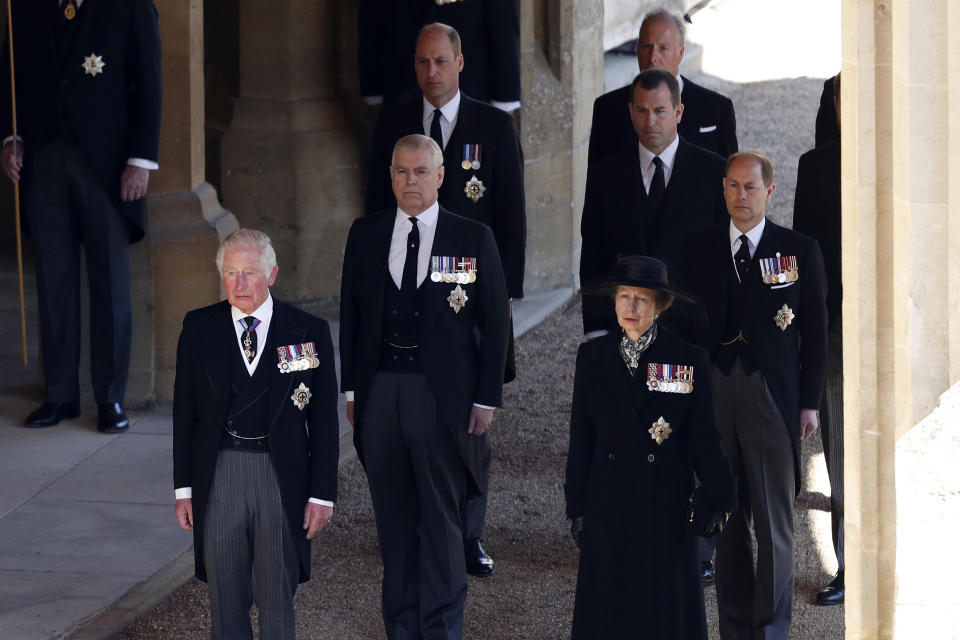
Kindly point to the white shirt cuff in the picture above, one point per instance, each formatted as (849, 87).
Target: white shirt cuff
(184, 493)
(373, 100)
(482, 406)
(513, 105)
(325, 503)
(595, 334)
(143, 164)
(348, 395)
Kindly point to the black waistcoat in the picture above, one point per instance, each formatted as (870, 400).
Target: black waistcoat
(249, 400)
(402, 323)
(736, 302)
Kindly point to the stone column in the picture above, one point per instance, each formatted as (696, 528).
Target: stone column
(173, 269)
(900, 267)
(562, 62)
(289, 163)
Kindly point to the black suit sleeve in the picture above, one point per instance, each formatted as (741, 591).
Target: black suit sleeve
(185, 410)
(379, 188)
(502, 26)
(323, 420)
(349, 312)
(728, 141)
(146, 82)
(493, 324)
(813, 328)
(593, 251)
(582, 442)
(510, 217)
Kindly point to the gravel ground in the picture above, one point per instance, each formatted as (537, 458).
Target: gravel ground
(531, 595)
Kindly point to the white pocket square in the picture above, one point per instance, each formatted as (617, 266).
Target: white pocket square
(712, 127)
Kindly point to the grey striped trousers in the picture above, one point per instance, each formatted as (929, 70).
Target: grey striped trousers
(248, 550)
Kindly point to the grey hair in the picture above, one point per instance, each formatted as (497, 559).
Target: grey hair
(417, 141)
(249, 239)
(668, 16)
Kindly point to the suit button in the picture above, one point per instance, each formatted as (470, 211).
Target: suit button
(416, 314)
(394, 312)
(411, 358)
(612, 456)
(395, 334)
(650, 458)
(229, 423)
(394, 357)
(63, 83)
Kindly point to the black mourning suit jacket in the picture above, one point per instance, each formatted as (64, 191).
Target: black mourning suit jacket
(462, 353)
(112, 116)
(489, 31)
(502, 205)
(304, 444)
(615, 213)
(708, 122)
(793, 361)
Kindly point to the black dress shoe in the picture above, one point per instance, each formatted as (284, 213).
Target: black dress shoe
(832, 593)
(111, 418)
(51, 413)
(478, 562)
(709, 575)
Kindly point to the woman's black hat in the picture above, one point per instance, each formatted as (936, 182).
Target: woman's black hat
(635, 271)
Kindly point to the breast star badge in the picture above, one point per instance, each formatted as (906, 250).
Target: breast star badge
(457, 299)
(784, 317)
(474, 189)
(660, 430)
(93, 64)
(301, 396)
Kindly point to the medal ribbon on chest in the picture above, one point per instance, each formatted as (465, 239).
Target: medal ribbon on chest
(670, 378)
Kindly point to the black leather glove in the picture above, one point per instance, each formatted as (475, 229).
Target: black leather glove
(717, 522)
(576, 530)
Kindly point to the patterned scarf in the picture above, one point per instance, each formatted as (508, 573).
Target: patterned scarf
(631, 350)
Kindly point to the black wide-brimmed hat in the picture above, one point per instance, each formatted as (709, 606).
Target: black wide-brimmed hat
(635, 271)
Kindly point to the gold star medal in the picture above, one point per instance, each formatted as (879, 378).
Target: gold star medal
(93, 64)
(457, 299)
(784, 317)
(660, 430)
(474, 189)
(301, 396)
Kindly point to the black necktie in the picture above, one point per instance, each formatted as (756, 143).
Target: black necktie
(249, 338)
(658, 184)
(435, 131)
(742, 258)
(408, 283)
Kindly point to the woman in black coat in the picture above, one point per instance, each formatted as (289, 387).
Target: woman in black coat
(641, 426)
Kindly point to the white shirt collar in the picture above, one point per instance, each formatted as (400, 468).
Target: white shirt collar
(753, 236)
(262, 313)
(667, 155)
(680, 82)
(428, 217)
(449, 110)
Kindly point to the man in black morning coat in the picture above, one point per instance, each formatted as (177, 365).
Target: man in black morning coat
(764, 290)
(495, 184)
(88, 110)
(625, 212)
(255, 441)
(816, 212)
(708, 118)
(388, 31)
(423, 338)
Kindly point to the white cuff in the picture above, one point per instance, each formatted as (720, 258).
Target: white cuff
(325, 503)
(348, 395)
(595, 334)
(513, 105)
(143, 164)
(184, 493)
(373, 100)
(483, 406)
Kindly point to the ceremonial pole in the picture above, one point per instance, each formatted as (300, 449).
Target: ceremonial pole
(16, 189)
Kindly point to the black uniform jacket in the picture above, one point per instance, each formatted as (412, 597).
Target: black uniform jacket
(639, 565)
(462, 352)
(793, 360)
(489, 32)
(501, 207)
(304, 444)
(816, 212)
(708, 121)
(615, 216)
(113, 115)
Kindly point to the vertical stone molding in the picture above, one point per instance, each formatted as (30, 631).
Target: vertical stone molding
(289, 161)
